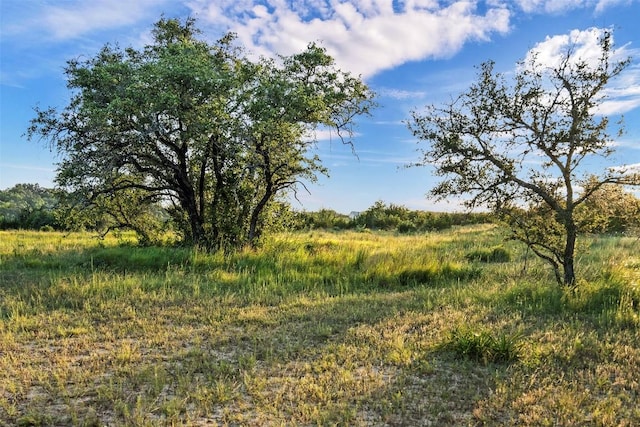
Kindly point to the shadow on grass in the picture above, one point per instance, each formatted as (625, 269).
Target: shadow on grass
(68, 279)
(533, 298)
(606, 303)
(356, 359)
(338, 361)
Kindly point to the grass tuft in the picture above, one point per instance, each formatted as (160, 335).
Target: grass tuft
(481, 345)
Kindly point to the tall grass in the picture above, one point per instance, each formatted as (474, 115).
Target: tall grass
(449, 328)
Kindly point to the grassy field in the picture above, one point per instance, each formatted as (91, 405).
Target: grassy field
(450, 328)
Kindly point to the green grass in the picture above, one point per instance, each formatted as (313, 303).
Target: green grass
(317, 329)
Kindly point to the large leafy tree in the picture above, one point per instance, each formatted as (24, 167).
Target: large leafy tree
(521, 148)
(27, 206)
(215, 137)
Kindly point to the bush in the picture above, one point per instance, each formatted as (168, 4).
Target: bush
(442, 272)
(496, 254)
(407, 227)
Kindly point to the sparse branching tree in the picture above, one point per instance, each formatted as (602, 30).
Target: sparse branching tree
(212, 135)
(520, 148)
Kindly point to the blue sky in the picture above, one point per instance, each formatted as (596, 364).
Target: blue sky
(411, 52)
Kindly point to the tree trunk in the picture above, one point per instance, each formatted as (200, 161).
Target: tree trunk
(569, 253)
(254, 232)
(189, 204)
(197, 231)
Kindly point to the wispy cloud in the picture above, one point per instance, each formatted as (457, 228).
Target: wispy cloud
(401, 94)
(618, 106)
(632, 144)
(75, 18)
(390, 122)
(561, 6)
(330, 135)
(365, 158)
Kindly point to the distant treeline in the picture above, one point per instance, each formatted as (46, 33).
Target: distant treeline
(389, 217)
(31, 207)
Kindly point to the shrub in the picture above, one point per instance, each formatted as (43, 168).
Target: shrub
(496, 254)
(406, 227)
(443, 272)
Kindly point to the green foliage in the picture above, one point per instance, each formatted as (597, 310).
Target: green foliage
(201, 129)
(128, 209)
(406, 226)
(382, 217)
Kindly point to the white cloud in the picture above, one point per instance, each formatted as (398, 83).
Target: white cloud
(584, 44)
(627, 143)
(623, 93)
(604, 4)
(618, 106)
(364, 36)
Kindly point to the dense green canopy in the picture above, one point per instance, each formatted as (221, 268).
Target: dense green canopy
(200, 128)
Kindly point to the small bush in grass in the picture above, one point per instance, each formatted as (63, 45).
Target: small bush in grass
(467, 343)
(414, 276)
(444, 272)
(406, 227)
(496, 254)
